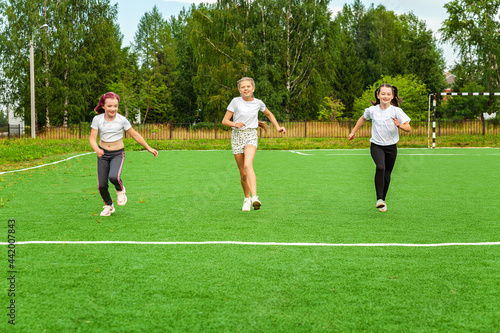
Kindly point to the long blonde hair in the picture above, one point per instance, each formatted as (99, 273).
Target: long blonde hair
(246, 78)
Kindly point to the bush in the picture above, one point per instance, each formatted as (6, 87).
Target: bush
(410, 89)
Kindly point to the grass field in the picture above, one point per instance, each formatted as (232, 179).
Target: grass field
(274, 276)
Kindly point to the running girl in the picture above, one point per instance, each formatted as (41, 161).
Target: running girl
(111, 150)
(386, 118)
(244, 110)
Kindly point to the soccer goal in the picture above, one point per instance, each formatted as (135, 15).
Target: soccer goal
(432, 100)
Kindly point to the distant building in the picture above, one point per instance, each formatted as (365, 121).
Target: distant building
(16, 124)
(450, 78)
(487, 116)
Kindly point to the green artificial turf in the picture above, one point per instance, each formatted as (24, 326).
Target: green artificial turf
(318, 196)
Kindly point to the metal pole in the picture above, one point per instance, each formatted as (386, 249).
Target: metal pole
(32, 88)
(429, 123)
(434, 123)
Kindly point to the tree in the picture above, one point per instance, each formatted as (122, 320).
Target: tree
(183, 96)
(468, 107)
(421, 55)
(390, 44)
(155, 48)
(331, 109)
(220, 40)
(348, 82)
(410, 89)
(126, 85)
(297, 43)
(472, 28)
(71, 56)
(282, 44)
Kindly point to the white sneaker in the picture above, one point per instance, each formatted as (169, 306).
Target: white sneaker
(121, 198)
(383, 209)
(108, 210)
(380, 203)
(255, 202)
(246, 205)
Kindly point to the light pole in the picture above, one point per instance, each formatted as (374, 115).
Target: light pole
(32, 84)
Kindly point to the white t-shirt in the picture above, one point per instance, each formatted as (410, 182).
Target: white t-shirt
(384, 131)
(110, 131)
(246, 112)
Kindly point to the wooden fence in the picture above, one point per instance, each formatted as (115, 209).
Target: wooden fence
(305, 129)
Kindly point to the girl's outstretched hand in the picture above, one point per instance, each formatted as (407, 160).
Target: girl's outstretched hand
(282, 130)
(350, 136)
(153, 151)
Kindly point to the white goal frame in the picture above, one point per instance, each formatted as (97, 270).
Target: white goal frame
(433, 98)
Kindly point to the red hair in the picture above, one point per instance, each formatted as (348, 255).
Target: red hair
(111, 95)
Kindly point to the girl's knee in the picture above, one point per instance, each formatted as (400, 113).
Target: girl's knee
(114, 180)
(248, 167)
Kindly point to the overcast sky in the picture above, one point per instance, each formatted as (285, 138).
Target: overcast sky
(431, 11)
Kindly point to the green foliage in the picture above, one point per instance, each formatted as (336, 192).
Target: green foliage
(186, 69)
(465, 107)
(331, 109)
(183, 95)
(410, 89)
(391, 44)
(155, 48)
(3, 118)
(348, 83)
(74, 57)
(126, 84)
(472, 28)
(282, 44)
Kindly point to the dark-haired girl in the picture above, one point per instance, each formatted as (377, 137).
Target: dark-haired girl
(386, 117)
(111, 150)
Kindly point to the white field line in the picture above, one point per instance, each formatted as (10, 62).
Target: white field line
(43, 165)
(256, 243)
(298, 152)
(417, 154)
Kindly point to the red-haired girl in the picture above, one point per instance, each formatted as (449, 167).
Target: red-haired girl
(111, 150)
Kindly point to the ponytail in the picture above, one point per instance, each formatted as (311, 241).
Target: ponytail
(263, 125)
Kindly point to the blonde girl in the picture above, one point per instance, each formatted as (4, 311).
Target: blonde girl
(244, 111)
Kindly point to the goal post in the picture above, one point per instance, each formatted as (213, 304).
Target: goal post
(432, 100)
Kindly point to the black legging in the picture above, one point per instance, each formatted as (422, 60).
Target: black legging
(109, 168)
(384, 158)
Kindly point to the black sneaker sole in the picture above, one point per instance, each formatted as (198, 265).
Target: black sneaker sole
(256, 205)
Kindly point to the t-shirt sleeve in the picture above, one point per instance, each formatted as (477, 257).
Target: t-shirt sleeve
(262, 106)
(232, 106)
(126, 124)
(95, 123)
(367, 114)
(401, 116)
